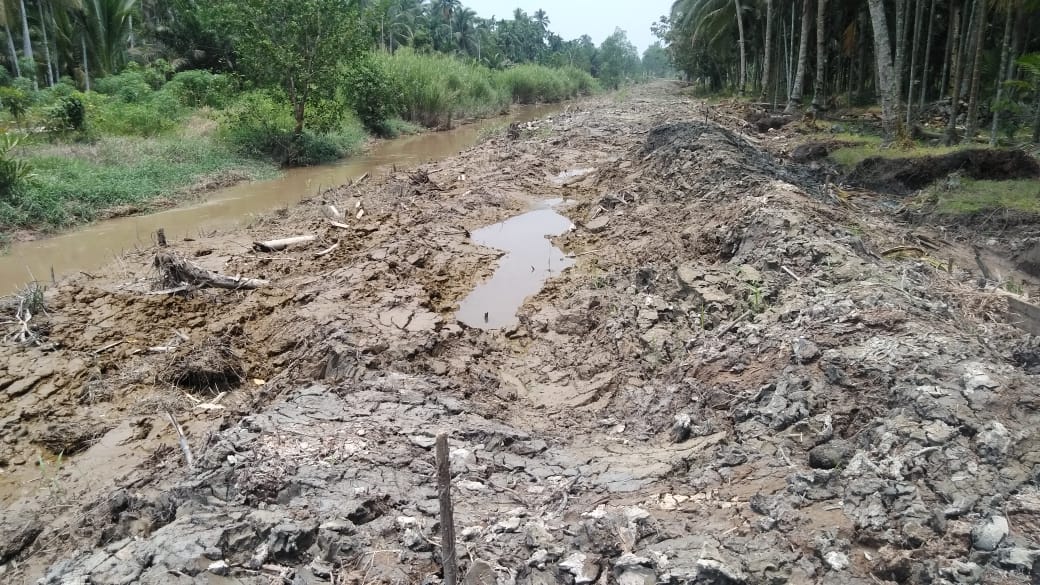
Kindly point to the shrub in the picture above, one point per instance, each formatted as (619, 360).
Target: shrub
(129, 86)
(15, 101)
(68, 115)
(372, 93)
(15, 174)
(198, 87)
(156, 115)
(260, 125)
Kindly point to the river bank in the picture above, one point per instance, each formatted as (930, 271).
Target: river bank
(736, 381)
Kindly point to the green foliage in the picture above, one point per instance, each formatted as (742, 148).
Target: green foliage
(372, 93)
(129, 86)
(960, 196)
(15, 174)
(197, 88)
(261, 125)
(158, 114)
(69, 114)
(295, 44)
(15, 101)
(434, 89)
(530, 84)
(618, 60)
(77, 182)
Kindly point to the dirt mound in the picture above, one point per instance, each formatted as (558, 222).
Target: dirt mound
(902, 176)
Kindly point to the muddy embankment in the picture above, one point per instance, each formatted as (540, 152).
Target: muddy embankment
(734, 383)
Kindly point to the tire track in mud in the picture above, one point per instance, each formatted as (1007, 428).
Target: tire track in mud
(727, 387)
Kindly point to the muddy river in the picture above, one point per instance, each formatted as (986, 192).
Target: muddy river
(98, 244)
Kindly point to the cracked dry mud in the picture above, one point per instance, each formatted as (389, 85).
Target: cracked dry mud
(731, 385)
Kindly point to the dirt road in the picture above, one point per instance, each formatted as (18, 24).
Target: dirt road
(733, 383)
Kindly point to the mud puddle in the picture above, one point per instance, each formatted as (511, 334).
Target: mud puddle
(96, 245)
(530, 260)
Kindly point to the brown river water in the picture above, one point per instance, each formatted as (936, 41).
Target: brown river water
(91, 247)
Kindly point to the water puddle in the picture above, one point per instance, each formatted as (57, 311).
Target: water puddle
(529, 261)
(94, 246)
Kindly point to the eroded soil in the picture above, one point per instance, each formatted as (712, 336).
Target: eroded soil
(748, 376)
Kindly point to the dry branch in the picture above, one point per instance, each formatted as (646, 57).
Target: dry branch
(447, 515)
(182, 275)
(279, 245)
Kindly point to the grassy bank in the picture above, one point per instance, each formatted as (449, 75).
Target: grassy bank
(78, 183)
(146, 137)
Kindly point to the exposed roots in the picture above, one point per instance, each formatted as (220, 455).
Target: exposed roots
(209, 366)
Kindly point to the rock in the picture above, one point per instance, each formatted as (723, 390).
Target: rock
(988, 534)
(219, 568)
(722, 573)
(321, 569)
(830, 455)
(16, 534)
(480, 573)
(637, 576)
(584, 567)
(976, 381)
(837, 561)
(461, 460)
(598, 224)
(993, 442)
(507, 525)
(681, 428)
(1018, 559)
(963, 573)
(423, 441)
(805, 351)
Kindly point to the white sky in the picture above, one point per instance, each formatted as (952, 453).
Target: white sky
(597, 18)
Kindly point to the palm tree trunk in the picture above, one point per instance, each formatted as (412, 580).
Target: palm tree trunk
(900, 62)
(955, 73)
(743, 52)
(767, 67)
(885, 70)
(976, 70)
(27, 50)
(46, 47)
(819, 85)
(1005, 55)
(927, 57)
(795, 100)
(12, 52)
(918, 16)
(86, 61)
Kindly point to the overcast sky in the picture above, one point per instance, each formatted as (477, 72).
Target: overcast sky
(597, 18)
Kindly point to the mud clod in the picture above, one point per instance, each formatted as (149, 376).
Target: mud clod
(906, 175)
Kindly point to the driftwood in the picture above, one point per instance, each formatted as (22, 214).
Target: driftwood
(327, 251)
(447, 515)
(332, 212)
(279, 245)
(189, 276)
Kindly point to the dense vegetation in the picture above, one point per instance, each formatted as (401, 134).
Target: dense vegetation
(114, 103)
(974, 63)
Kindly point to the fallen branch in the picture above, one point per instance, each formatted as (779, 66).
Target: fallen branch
(339, 225)
(183, 439)
(279, 245)
(734, 323)
(791, 272)
(327, 251)
(189, 276)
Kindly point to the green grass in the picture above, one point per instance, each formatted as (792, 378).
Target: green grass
(870, 146)
(968, 197)
(77, 183)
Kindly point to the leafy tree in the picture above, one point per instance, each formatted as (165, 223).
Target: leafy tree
(618, 59)
(655, 61)
(295, 44)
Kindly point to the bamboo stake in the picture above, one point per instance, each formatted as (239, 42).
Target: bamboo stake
(447, 519)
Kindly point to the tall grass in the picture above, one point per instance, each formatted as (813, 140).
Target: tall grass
(432, 90)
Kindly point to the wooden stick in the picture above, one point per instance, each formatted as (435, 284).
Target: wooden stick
(791, 272)
(160, 237)
(279, 245)
(328, 250)
(332, 213)
(733, 323)
(339, 225)
(447, 519)
(179, 270)
(183, 439)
